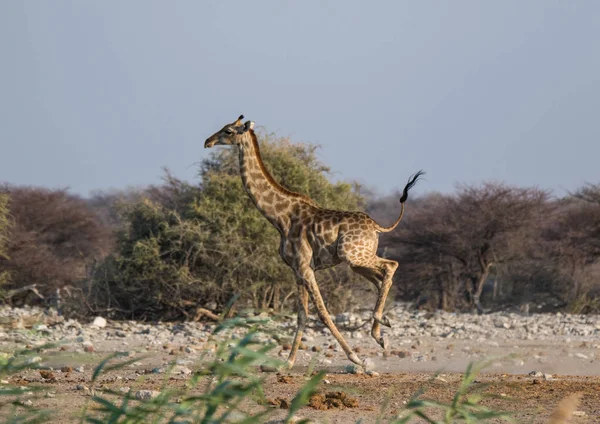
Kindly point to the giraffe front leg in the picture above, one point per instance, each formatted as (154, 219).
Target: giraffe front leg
(308, 276)
(302, 317)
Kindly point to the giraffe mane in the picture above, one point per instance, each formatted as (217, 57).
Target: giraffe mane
(270, 178)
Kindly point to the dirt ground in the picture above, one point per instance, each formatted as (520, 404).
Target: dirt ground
(527, 377)
(531, 399)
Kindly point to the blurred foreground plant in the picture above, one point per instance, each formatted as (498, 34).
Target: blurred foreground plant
(217, 393)
(16, 405)
(465, 406)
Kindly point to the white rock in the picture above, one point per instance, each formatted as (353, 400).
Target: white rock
(99, 322)
(368, 364)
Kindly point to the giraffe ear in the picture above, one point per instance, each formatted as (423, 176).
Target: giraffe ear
(248, 125)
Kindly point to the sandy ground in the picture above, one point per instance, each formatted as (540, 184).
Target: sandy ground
(570, 366)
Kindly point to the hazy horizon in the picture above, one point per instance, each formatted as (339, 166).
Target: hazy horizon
(99, 96)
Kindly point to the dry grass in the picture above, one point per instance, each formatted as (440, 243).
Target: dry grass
(565, 408)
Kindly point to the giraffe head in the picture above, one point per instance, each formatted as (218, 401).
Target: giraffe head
(230, 134)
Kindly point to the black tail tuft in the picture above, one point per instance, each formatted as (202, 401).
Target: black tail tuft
(412, 180)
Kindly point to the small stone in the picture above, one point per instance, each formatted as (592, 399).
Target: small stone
(99, 322)
(34, 360)
(189, 349)
(27, 402)
(146, 394)
(47, 374)
(286, 346)
(268, 368)
(66, 369)
(354, 369)
(88, 348)
(183, 370)
(124, 390)
(579, 413)
(401, 353)
(50, 395)
(372, 373)
(316, 348)
(79, 369)
(581, 355)
(536, 374)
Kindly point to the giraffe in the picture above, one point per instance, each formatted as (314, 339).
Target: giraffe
(313, 238)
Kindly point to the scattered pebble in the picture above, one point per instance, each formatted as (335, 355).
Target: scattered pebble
(146, 394)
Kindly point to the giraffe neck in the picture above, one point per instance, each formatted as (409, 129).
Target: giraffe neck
(271, 199)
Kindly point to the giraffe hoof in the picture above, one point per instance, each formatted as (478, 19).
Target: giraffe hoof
(383, 342)
(384, 320)
(355, 359)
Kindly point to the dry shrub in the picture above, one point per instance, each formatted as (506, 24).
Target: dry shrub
(55, 238)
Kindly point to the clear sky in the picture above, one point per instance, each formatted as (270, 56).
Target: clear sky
(102, 94)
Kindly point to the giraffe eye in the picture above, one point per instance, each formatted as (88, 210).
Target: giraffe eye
(229, 131)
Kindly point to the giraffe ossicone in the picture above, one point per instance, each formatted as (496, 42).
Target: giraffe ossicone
(314, 238)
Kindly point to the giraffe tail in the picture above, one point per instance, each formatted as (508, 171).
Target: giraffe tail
(412, 180)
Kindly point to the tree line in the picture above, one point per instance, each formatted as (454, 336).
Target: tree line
(180, 250)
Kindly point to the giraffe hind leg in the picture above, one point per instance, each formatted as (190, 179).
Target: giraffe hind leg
(380, 275)
(388, 268)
